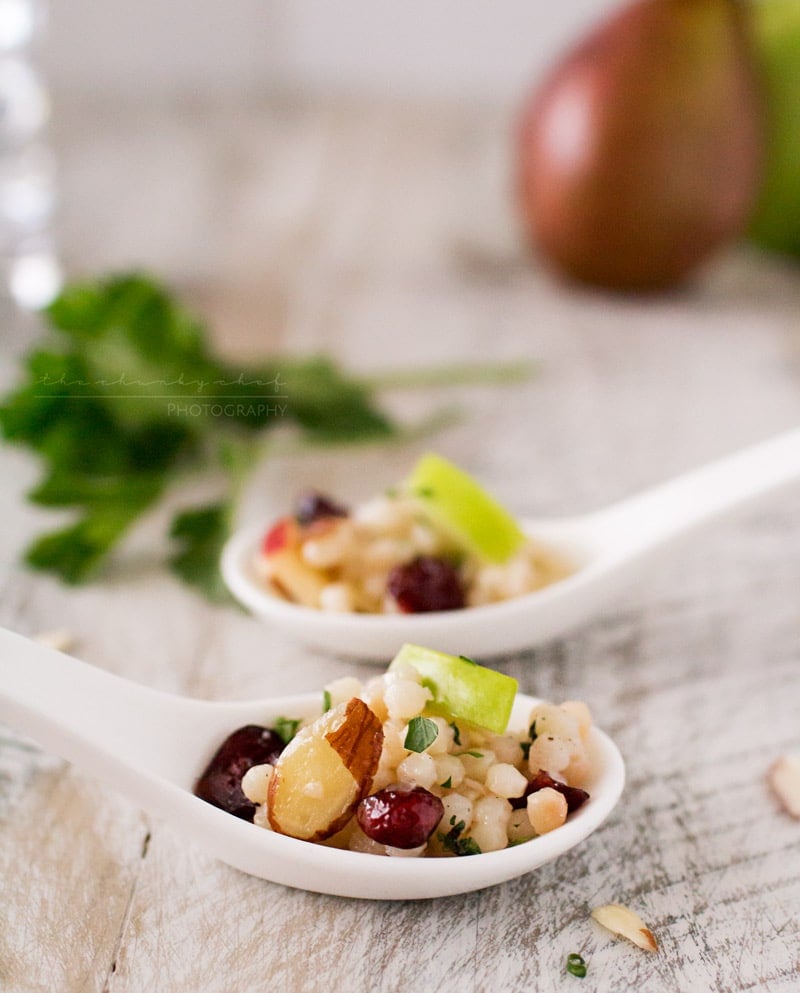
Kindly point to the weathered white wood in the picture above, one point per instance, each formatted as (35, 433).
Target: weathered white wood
(382, 234)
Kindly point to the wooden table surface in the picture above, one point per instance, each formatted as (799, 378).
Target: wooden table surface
(383, 235)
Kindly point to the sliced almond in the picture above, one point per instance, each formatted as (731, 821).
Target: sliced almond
(784, 778)
(624, 922)
(60, 639)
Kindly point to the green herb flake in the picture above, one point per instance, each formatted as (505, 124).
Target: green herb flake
(526, 749)
(421, 733)
(453, 842)
(465, 658)
(447, 784)
(286, 728)
(576, 966)
(326, 701)
(532, 732)
(475, 755)
(456, 733)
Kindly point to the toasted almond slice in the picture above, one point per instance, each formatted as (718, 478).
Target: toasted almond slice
(622, 921)
(784, 778)
(60, 639)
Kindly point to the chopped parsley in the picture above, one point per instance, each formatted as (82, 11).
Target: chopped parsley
(456, 733)
(466, 658)
(453, 842)
(286, 728)
(475, 755)
(326, 701)
(526, 749)
(532, 732)
(421, 733)
(447, 784)
(576, 966)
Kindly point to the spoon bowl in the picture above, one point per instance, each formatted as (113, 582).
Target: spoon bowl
(608, 551)
(152, 747)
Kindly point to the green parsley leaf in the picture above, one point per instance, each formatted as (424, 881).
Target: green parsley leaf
(421, 733)
(326, 701)
(453, 842)
(286, 728)
(526, 749)
(200, 535)
(124, 397)
(576, 966)
(456, 733)
(447, 784)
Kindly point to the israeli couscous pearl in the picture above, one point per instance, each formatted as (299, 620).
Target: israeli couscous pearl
(337, 598)
(457, 808)
(419, 769)
(477, 762)
(551, 754)
(405, 699)
(547, 810)
(255, 782)
(443, 742)
(519, 826)
(449, 771)
(344, 689)
(504, 780)
(506, 748)
(489, 823)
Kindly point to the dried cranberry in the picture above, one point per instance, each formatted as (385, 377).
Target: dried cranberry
(575, 797)
(221, 783)
(400, 816)
(314, 506)
(282, 534)
(425, 584)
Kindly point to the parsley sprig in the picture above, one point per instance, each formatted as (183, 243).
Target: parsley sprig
(125, 399)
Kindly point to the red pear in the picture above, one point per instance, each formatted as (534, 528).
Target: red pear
(640, 153)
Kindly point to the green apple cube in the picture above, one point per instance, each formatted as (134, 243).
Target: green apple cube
(462, 689)
(459, 505)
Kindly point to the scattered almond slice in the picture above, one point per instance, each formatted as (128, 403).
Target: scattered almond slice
(784, 778)
(60, 639)
(622, 921)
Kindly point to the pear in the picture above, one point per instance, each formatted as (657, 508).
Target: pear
(776, 223)
(640, 153)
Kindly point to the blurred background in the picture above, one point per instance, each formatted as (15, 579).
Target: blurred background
(435, 49)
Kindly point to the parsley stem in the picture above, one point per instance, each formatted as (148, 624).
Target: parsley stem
(452, 374)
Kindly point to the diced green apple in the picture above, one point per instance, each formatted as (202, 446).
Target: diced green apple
(458, 504)
(462, 689)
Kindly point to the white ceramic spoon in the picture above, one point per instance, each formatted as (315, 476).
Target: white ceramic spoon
(152, 746)
(610, 550)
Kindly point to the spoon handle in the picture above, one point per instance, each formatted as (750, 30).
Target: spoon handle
(677, 508)
(85, 715)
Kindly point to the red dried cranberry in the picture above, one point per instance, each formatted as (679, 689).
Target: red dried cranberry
(575, 797)
(281, 535)
(314, 506)
(425, 584)
(400, 816)
(221, 783)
